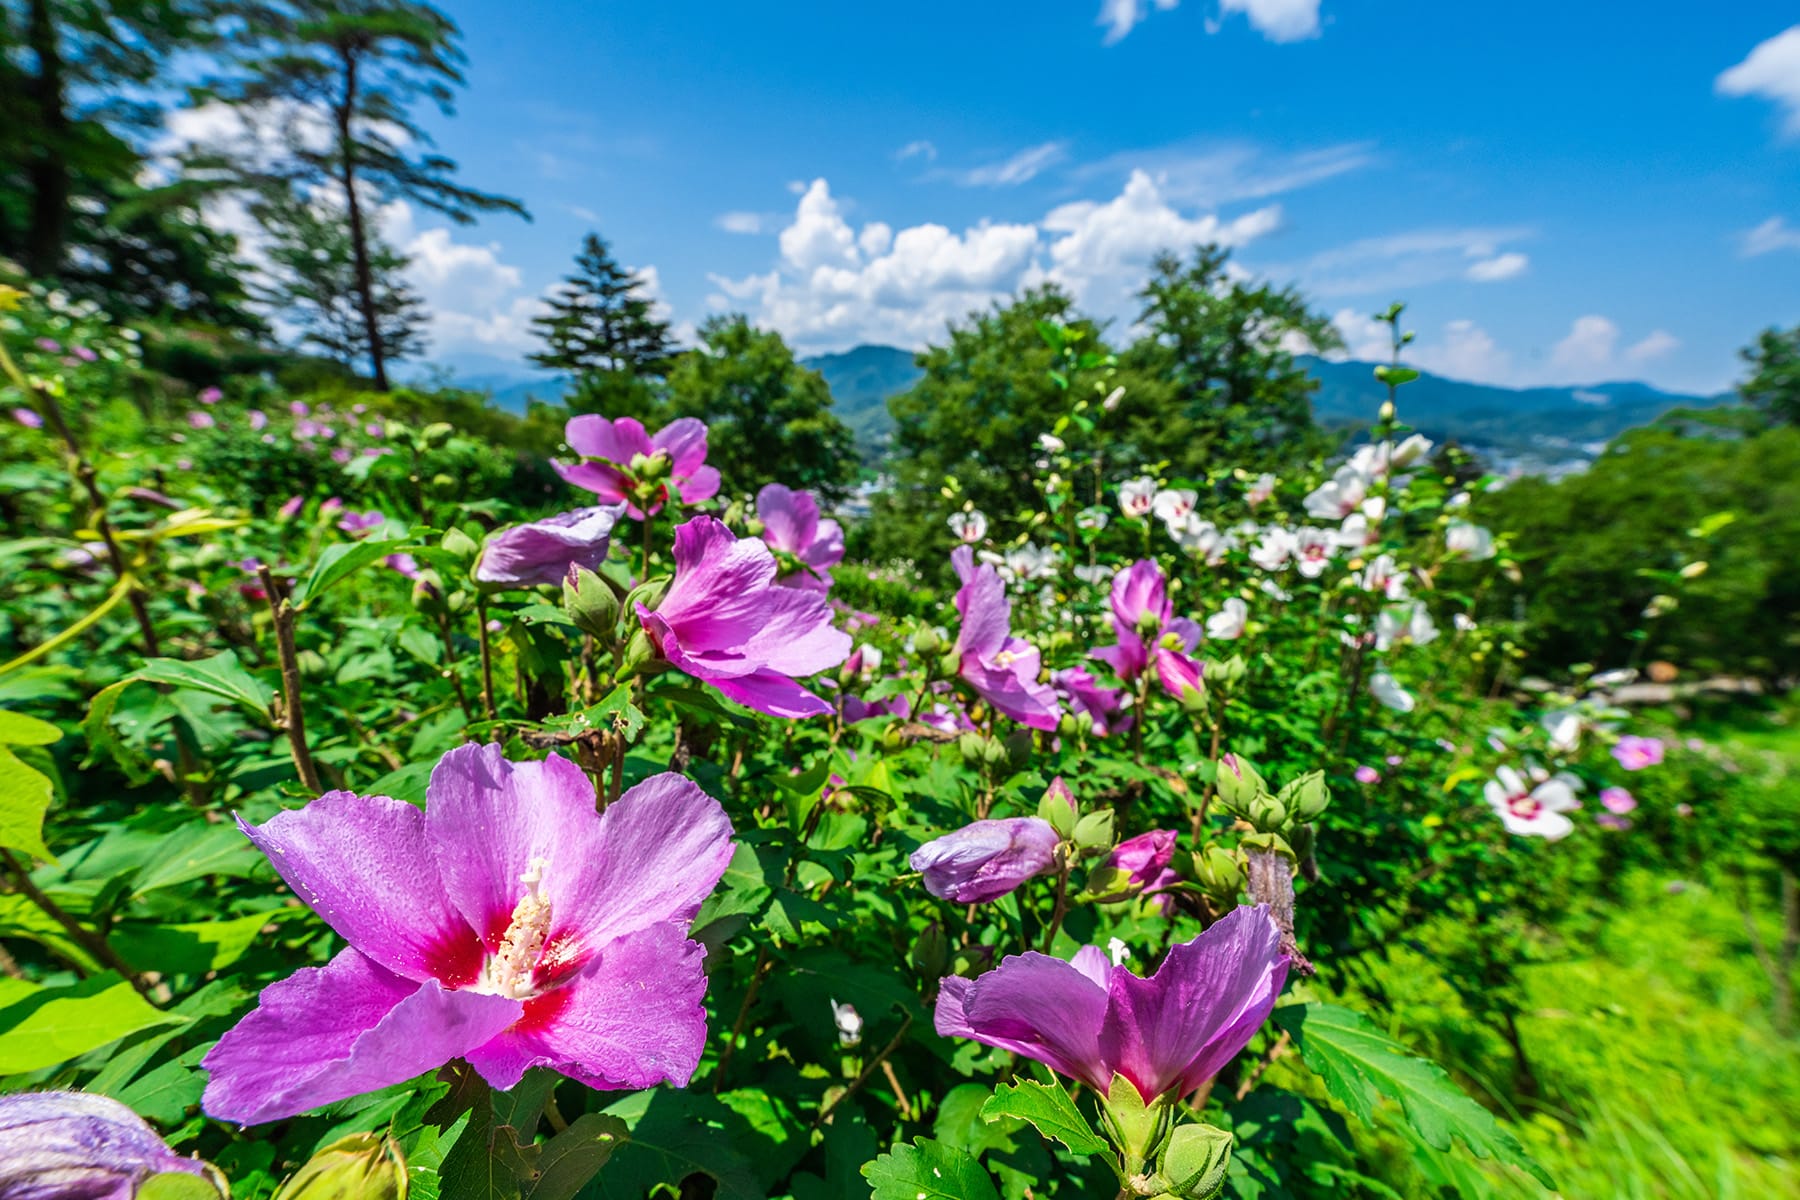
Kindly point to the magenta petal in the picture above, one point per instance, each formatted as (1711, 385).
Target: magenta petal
(719, 598)
(986, 612)
(604, 481)
(328, 1033)
(797, 637)
(769, 693)
(1137, 590)
(662, 847)
(1043, 1008)
(489, 822)
(632, 1018)
(1177, 672)
(699, 485)
(790, 519)
(1127, 659)
(985, 860)
(1179, 1027)
(827, 549)
(542, 552)
(615, 441)
(362, 864)
(684, 440)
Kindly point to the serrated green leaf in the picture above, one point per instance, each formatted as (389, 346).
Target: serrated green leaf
(222, 675)
(24, 799)
(928, 1170)
(54, 1024)
(339, 561)
(1360, 1065)
(1050, 1108)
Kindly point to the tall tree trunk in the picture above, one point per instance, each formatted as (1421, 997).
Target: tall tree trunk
(359, 241)
(49, 166)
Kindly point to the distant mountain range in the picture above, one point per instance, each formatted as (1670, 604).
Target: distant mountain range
(1528, 427)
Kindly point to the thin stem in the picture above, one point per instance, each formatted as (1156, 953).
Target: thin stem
(487, 659)
(293, 712)
(757, 974)
(1061, 909)
(84, 937)
(868, 1072)
(450, 670)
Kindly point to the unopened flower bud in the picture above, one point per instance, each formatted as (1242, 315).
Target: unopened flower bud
(461, 545)
(74, 1144)
(1219, 873)
(931, 952)
(1193, 1165)
(363, 1166)
(436, 434)
(926, 640)
(1268, 813)
(1238, 783)
(1386, 412)
(1058, 807)
(849, 1023)
(1094, 832)
(1307, 796)
(591, 603)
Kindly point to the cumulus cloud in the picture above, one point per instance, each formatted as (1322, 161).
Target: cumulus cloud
(1501, 266)
(1012, 170)
(1589, 345)
(1463, 351)
(1659, 343)
(1365, 338)
(836, 284)
(1771, 71)
(1120, 17)
(1278, 20)
(1772, 235)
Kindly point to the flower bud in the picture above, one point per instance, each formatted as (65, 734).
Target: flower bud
(1194, 1164)
(72, 1144)
(591, 603)
(461, 545)
(363, 1166)
(1238, 782)
(849, 1023)
(985, 860)
(1268, 813)
(1094, 832)
(950, 664)
(926, 641)
(1694, 570)
(931, 952)
(1386, 412)
(1307, 797)
(436, 434)
(1058, 807)
(1219, 874)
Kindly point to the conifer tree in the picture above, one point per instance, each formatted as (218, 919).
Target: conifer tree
(602, 320)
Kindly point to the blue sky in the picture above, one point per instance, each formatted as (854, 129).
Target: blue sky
(1573, 193)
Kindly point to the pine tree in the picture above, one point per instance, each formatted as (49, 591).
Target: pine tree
(602, 321)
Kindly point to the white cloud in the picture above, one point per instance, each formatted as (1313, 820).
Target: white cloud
(1465, 351)
(582, 213)
(1015, 169)
(1365, 338)
(1589, 345)
(1102, 247)
(835, 284)
(1213, 174)
(1772, 235)
(1394, 263)
(1278, 20)
(739, 222)
(919, 149)
(1501, 266)
(1121, 16)
(1771, 71)
(1657, 344)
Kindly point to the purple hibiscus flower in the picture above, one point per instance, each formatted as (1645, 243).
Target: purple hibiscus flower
(1149, 633)
(726, 622)
(1636, 753)
(1083, 694)
(1091, 1019)
(1145, 861)
(792, 528)
(358, 523)
(985, 860)
(28, 417)
(1001, 668)
(507, 924)
(542, 552)
(1617, 800)
(619, 458)
(78, 1146)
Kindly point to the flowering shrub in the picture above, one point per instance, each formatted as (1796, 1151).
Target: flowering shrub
(646, 842)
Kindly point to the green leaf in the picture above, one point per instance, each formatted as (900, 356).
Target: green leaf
(24, 799)
(1360, 1064)
(1395, 376)
(54, 1024)
(17, 729)
(222, 675)
(339, 561)
(565, 1163)
(1050, 1108)
(928, 1170)
(101, 737)
(675, 1135)
(192, 949)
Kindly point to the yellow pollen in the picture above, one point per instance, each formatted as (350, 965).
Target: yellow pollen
(509, 971)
